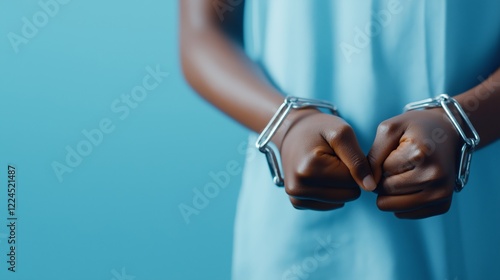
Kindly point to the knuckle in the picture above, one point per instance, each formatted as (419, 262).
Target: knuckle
(420, 153)
(311, 165)
(318, 151)
(434, 176)
(345, 132)
(344, 128)
(303, 172)
(418, 156)
(341, 133)
(387, 127)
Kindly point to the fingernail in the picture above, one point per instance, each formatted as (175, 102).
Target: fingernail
(369, 183)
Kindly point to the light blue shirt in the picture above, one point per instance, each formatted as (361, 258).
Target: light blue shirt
(370, 58)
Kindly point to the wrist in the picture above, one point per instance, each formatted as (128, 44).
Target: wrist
(280, 124)
(293, 119)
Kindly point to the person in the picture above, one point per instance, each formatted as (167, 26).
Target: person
(370, 59)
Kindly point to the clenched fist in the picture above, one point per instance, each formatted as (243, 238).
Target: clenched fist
(414, 160)
(323, 164)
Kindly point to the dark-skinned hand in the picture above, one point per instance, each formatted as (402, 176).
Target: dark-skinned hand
(414, 160)
(323, 164)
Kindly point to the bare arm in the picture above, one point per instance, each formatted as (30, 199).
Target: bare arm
(482, 105)
(322, 161)
(217, 68)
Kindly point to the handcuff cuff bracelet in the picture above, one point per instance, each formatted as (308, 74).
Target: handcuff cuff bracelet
(443, 101)
(274, 124)
(470, 143)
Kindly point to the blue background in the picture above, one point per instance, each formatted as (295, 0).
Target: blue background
(116, 213)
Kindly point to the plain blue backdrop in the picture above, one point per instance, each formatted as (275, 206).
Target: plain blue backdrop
(116, 214)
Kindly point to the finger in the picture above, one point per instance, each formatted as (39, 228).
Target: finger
(303, 204)
(321, 168)
(409, 202)
(409, 154)
(397, 169)
(393, 189)
(414, 180)
(331, 195)
(345, 145)
(426, 212)
(386, 141)
(403, 159)
(322, 178)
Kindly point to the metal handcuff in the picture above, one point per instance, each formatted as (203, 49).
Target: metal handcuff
(443, 100)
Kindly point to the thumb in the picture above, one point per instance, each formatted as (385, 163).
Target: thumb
(386, 141)
(346, 147)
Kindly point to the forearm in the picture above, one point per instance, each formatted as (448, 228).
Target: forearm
(482, 105)
(219, 70)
